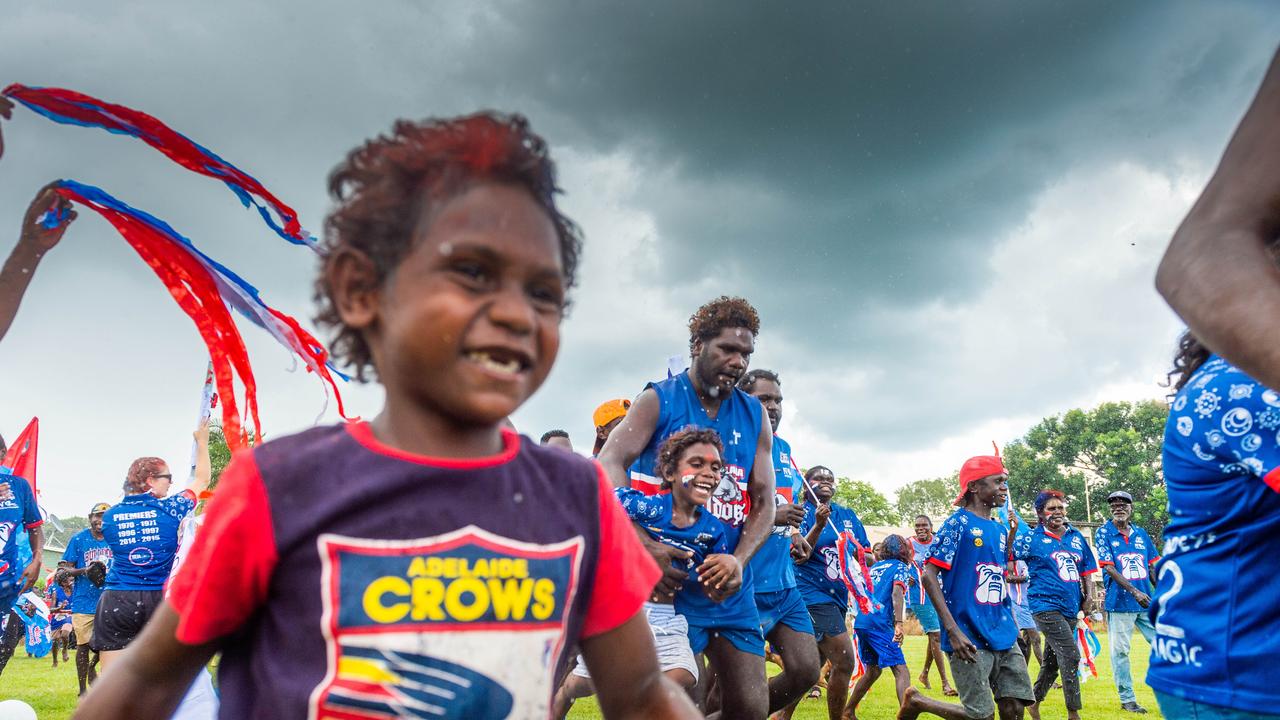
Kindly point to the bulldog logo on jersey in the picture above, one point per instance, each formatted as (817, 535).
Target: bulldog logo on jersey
(424, 628)
(730, 502)
(1066, 562)
(989, 589)
(1133, 566)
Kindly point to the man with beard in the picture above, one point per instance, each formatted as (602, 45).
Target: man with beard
(87, 549)
(1126, 554)
(784, 617)
(722, 337)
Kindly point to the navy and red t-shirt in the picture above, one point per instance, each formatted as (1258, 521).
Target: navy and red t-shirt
(347, 579)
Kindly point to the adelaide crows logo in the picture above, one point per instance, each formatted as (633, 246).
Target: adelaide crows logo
(426, 628)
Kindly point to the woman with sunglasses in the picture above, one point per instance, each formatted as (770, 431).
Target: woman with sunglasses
(142, 531)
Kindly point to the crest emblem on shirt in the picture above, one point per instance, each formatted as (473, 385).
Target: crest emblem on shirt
(419, 628)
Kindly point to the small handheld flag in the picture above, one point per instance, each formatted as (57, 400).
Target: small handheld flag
(854, 572)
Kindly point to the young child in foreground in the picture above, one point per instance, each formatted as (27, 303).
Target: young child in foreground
(429, 563)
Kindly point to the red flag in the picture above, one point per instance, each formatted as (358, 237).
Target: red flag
(21, 457)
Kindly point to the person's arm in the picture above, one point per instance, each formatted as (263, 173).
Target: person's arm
(630, 438)
(1143, 598)
(961, 646)
(34, 241)
(821, 514)
(204, 468)
(6, 112)
(32, 572)
(628, 682)
(639, 508)
(151, 676)
(899, 611)
(1218, 272)
(760, 488)
(1090, 566)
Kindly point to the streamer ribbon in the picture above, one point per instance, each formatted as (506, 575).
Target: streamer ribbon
(73, 108)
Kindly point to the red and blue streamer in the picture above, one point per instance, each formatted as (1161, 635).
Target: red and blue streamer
(73, 108)
(854, 572)
(205, 290)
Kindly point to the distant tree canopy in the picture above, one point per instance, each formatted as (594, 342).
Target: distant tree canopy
(1088, 454)
(872, 507)
(932, 497)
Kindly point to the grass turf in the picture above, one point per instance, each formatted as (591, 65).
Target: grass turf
(1098, 694)
(52, 691)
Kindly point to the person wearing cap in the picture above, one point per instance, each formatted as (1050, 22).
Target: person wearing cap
(964, 577)
(1126, 554)
(607, 417)
(87, 547)
(1058, 561)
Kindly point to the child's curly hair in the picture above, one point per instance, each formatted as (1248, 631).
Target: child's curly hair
(723, 312)
(385, 187)
(676, 443)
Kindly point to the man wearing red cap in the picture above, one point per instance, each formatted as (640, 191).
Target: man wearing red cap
(965, 581)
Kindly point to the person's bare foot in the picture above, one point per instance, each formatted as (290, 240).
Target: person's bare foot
(909, 710)
(924, 681)
(1033, 710)
(949, 691)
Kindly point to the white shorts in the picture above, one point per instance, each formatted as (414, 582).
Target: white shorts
(670, 640)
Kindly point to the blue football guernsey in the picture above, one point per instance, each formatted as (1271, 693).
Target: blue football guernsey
(1214, 610)
(142, 532)
(885, 576)
(1055, 566)
(707, 535)
(771, 566)
(1132, 555)
(81, 551)
(819, 577)
(17, 514)
(971, 552)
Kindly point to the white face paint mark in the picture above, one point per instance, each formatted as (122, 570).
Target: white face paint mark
(446, 248)
(713, 391)
(686, 479)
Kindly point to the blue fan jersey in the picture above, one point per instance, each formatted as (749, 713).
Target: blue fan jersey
(1132, 555)
(885, 576)
(707, 535)
(1214, 613)
(81, 551)
(17, 515)
(971, 551)
(142, 532)
(819, 577)
(1055, 565)
(771, 566)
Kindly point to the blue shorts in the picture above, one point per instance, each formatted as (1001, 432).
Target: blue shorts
(783, 606)
(1022, 617)
(1173, 706)
(877, 648)
(747, 639)
(928, 617)
(828, 620)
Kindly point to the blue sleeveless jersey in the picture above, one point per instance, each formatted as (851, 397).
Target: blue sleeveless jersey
(771, 566)
(1214, 606)
(738, 423)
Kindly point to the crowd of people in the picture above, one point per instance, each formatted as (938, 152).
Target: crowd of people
(433, 562)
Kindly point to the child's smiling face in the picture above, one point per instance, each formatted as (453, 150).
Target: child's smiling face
(468, 324)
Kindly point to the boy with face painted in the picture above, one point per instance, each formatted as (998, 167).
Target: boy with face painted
(1126, 554)
(965, 581)
(431, 556)
(784, 617)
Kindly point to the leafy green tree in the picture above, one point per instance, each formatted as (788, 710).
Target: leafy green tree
(219, 454)
(1087, 454)
(932, 497)
(873, 508)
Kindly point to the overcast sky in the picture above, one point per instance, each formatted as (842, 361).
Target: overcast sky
(948, 214)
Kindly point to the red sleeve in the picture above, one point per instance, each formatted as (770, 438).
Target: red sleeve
(625, 572)
(1105, 563)
(939, 563)
(227, 574)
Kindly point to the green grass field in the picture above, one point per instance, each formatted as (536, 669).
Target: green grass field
(1099, 694)
(52, 691)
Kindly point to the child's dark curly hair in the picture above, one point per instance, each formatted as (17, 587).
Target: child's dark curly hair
(723, 312)
(385, 187)
(676, 443)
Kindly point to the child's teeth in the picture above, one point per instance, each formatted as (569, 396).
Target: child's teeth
(509, 367)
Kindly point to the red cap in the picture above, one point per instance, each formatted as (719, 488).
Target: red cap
(976, 468)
